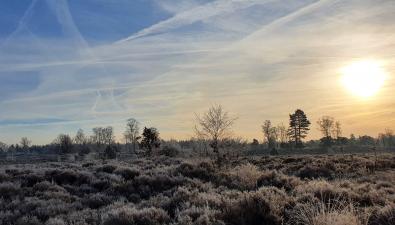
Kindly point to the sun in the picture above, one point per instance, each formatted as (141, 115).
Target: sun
(364, 78)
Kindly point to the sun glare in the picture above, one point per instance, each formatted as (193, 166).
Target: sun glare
(364, 78)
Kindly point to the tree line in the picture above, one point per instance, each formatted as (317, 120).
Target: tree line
(213, 127)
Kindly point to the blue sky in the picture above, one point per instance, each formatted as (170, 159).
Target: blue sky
(70, 64)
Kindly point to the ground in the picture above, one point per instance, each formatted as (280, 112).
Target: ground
(309, 189)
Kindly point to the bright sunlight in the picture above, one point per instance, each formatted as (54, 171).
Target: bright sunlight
(364, 78)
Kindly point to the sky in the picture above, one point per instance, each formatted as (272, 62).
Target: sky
(70, 64)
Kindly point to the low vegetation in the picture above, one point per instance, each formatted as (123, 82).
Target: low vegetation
(312, 190)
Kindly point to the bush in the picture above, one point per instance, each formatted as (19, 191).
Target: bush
(278, 180)
(107, 169)
(127, 173)
(96, 201)
(313, 172)
(384, 216)
(9, 190)
(110, 152)
(133, 216)
(246, 175)
(204, 170)
(170, 151)
(250, 209)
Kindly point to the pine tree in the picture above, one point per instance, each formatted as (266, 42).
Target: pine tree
(298, 127)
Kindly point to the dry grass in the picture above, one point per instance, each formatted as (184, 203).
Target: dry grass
(310, 190)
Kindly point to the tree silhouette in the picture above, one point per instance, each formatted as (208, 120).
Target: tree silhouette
(214, 125)
(326, 126)
(132, 132)
(64, 143)
(298, 127)
(150, 139)
(25, 142)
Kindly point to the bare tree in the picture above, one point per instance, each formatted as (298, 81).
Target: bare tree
(80, 138)
(132, 132)
(266, 129)
(108, 134)
(283, 134)
(64, 142)
(326, 124)
(25, 142)
(337, 130)
(103, 135)
(214, 125)
(272, 134)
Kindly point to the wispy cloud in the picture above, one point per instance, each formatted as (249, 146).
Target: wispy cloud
(261, 59)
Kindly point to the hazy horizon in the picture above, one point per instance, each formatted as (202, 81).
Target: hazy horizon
(69, 64)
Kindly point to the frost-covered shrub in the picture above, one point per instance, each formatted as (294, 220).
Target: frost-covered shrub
(127, 173)
(133, 216)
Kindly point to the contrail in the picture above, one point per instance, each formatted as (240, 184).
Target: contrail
(28, 13)
(196, 14)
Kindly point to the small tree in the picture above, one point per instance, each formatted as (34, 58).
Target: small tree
(150, 139)
(214, 125)
(271, 134)
(25, 143)
(298, 127)
(132, 133)
(326, 126)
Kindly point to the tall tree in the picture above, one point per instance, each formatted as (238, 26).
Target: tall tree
(150, 139)
(337, 130)
(326, 126)
(25, 142)
(64, 142)
(282, 132)
(80, 138)
(214, 125)
(132, 132)
(266, 129)
(298, 127)
(103, 135)
(271, 134)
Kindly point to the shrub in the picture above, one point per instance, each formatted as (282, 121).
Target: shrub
(384, 216)
(55, 221)
(96, 201)
(170, 151)
(67, 177)
(9, 190)
(133, 216)
(313, 172)
(110, 152)
(127, 173)
(26, 220)
(334, 213)
(30, 180)
(247, 175)
(278, 180)
(106, 168)
(250, 209)
(204, 170)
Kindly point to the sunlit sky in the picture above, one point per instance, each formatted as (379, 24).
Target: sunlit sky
(69, 64)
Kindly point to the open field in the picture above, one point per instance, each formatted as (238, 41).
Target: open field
(339, 189)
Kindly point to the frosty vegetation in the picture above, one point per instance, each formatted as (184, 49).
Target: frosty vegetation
(213, 178)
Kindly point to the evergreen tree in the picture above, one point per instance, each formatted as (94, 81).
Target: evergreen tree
(150, 139)
(298, 127)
